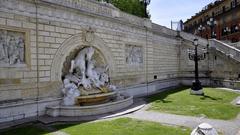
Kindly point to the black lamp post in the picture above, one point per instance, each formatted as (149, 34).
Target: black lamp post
(145, 3)
(211, 23)
(201, 29)
(193, 55)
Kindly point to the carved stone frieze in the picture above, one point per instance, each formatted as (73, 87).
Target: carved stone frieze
(12, 47)
(134, 55)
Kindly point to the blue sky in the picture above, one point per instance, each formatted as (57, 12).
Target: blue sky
(163, 11)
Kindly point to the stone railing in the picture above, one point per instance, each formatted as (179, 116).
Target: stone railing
(191, 37)
(98, 8)
(228, 50)
(161, 29)
(85, 5)
(236, 45)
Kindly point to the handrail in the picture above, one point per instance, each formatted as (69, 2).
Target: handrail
(191, 37)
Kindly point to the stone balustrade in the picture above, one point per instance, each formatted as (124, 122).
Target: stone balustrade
(191, 37)
(226, 49)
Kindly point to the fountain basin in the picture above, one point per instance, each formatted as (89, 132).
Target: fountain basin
(112, 106)
(95, 99)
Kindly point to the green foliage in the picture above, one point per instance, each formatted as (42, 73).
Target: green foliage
(215, 104)
(134, 7)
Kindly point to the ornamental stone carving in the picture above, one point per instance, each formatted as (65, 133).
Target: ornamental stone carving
(88, 35)
(134, 55)
(12, 46)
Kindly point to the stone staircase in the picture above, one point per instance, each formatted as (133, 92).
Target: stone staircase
(225, 49)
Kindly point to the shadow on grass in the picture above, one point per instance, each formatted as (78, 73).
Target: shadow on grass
(209, 97)
(160, 97)
(24, 130)
(35, 129)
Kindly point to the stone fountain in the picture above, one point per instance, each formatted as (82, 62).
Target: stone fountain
(86, 87)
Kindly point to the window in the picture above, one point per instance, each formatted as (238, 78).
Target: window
(233, 3)
(223, 8)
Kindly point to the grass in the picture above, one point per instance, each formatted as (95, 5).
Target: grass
(216, 103)
(121, 126)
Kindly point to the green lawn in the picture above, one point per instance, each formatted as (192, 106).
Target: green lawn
(121, 126)
(215, 104)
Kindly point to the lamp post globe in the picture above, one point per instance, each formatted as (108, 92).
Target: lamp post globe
(195, 42)
(201, 29)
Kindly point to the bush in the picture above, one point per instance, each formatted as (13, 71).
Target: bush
(134, 7)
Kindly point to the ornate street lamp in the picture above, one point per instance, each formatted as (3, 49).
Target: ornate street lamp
(145, 3)
(211, 23)
(201, 29)
(195, 56)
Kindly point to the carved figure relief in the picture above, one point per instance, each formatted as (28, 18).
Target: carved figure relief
(134, 55)
(12, 45)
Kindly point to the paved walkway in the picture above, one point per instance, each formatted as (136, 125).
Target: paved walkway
(226, 127)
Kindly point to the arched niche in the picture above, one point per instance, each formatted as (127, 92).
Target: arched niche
(74, 44)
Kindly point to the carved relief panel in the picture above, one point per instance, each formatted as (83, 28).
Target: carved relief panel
(12, 47)
(134, 55)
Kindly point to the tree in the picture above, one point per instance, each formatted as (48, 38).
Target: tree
(135, 7)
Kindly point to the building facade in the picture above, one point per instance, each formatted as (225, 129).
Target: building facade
(220, 20)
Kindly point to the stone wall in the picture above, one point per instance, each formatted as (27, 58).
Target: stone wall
(54, 29)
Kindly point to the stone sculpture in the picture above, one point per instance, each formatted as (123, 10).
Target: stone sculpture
(12, 46)
(20, 49)
(81, 61)
(3, 52)
(70, 92)
(238, 102)
(204, 129)
(89, 75)
(84, 74)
